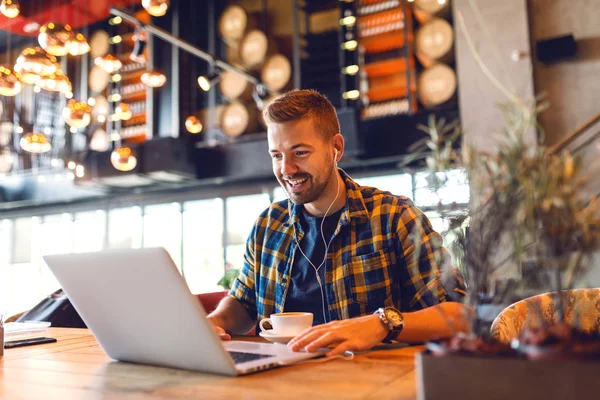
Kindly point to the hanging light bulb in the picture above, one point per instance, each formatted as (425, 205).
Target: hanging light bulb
(77, 114)
(55, 38)
(56, 82)
(156, 8)
(153, 79)
(35, 142)
(78, 45)
(108, 63)
(123, 112)
(33, 63)
(193, 125)
(123, 159)
(10, 81)
(6, 161)
(10, 8)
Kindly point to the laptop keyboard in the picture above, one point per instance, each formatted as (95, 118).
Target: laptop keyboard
(240, 357)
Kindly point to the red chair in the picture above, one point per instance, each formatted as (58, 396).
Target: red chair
(210, 301)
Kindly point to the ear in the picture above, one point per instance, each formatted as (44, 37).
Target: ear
(338, 146)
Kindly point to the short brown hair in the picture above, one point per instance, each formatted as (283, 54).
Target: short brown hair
(298, 104)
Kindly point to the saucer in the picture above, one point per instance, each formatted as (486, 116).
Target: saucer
(275, 338)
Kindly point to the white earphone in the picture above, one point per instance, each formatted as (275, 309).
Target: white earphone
(316, 268)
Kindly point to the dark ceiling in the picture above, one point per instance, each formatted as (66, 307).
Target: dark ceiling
(76, 13)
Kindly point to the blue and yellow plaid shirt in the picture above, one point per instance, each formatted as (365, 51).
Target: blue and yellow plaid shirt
(383, 252)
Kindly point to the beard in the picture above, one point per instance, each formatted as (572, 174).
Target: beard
(310, 191)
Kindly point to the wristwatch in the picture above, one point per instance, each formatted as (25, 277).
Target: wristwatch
(393, 320)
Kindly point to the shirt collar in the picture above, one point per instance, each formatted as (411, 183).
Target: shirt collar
(354, 208)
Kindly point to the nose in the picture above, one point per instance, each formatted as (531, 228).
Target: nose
(288, 167)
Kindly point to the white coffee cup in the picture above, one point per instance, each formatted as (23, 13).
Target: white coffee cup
(287, 323)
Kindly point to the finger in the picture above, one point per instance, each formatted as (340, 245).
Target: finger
(325, 340)
(341, 348)
(302, 335)
(222, 334)
(301, 342)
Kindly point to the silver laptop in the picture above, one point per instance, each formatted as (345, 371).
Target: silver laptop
(139, 308)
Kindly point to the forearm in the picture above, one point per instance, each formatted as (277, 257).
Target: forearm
(232, 317)
(436, 322)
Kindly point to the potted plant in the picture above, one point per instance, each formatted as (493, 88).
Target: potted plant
(529, 231)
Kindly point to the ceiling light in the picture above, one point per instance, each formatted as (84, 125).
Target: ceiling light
(10, 83)
(156, 8)
(56, 82)
(350, 69)
(108, 63)
(193, 125)
(35, 142)
(54, 38)
(77, 114)
(153, 79)
(34, 62)
(140, 40)
(115, 39)
(123, 159)
(351, 95)
(31, 27)
(206, 82)
(123, 112)
(78, 45)
(10, 8)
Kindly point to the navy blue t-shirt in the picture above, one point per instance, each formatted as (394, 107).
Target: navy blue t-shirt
(304, 293)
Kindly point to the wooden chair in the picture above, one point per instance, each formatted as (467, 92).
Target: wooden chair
(581, 306)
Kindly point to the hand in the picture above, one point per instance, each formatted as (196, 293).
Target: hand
(360, 333)
(220, 331)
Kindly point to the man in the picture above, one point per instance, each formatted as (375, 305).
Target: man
(344, 252)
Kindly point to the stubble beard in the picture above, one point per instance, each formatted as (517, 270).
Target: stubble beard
(312, 193)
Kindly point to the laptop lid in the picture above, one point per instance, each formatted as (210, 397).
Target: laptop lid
(139, 308)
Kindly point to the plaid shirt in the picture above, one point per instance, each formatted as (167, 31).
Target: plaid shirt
(371, 261)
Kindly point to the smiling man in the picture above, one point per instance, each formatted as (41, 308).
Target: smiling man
(342, 251)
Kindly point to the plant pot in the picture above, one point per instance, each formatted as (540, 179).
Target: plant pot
(456, 376)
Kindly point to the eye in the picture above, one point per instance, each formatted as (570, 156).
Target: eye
(276, 156)
(301, 153)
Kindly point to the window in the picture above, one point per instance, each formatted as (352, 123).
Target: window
(6, 229)
(455, 190)
(89, 231)
(125, 228)
(162, 228)
(203, 244)
(242, 212)
(194, 233)
(396, 184)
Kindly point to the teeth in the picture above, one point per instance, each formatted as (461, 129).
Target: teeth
(294, 183)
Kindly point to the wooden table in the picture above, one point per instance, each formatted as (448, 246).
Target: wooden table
(75, 367)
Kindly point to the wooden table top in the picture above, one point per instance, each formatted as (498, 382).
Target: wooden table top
(76, 367)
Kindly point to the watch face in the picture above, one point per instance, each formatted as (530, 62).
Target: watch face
(394, 316)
